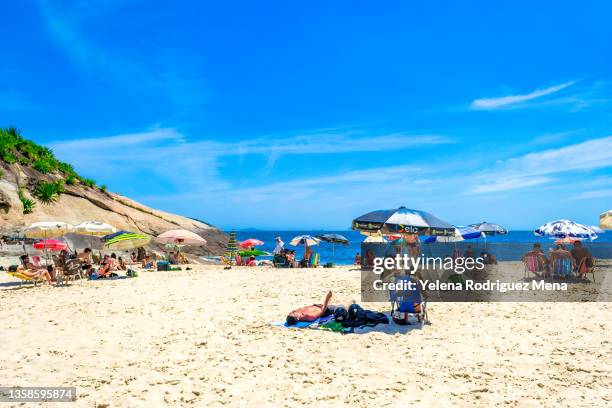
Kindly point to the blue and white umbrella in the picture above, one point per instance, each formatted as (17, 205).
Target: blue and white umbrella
(461, 233)
(402, 221)
(489, 228)
(565, 229)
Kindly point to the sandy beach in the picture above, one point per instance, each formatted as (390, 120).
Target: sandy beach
(202, 338)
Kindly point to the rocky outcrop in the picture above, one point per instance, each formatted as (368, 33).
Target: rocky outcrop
(80, 203)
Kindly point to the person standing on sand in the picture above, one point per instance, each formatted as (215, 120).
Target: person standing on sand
(279, 246)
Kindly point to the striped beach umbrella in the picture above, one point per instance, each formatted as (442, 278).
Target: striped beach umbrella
(124, 240)
(304, 240)
(565, 229)
(402, 221)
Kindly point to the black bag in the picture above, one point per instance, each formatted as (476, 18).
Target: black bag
(359, 317)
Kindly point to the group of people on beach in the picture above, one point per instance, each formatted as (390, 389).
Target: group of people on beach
(579, 258)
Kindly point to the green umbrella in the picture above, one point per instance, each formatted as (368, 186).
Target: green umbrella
(254, 252)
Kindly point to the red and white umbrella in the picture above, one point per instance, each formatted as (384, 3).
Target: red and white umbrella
(50, 245)
(251, 242)
(180, 237)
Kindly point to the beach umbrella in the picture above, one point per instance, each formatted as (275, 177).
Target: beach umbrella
(375, 238)
(47, 229)
(50, 244)
(125, 240)
(489, 228)
(251, 242)
(75, 240)
(461, 233)
(596, 229)
(304, 240)
(605, 220)
(565, 229)
(566, 240)
(94, 228)
(180, 236)
(402, 221)
(333, 239)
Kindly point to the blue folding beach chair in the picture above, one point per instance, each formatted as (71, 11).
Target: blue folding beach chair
(406, 302)
(561, 267)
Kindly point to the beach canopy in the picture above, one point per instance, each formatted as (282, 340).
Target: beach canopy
(180, 236)
(48, 229)
(605, 220)
(461, 233)
(251, 242)
(333, 238)
(402, 221)
(565, 229)
(94, 228)
(489, 228)
(304, 240)
(50, 245)
(124, 240)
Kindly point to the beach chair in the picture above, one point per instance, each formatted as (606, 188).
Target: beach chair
(239, 260)
(587, 264)
(280, 261)
(314, 260)
(561, 267)
(70, 271)
(534, 264)
(36, 260)
(406, 303)
(25, 278)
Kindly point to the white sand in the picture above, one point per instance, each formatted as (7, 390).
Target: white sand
(201, 338)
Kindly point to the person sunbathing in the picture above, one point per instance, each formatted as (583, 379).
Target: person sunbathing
(309, 313)
(561, 253)
(32, 271)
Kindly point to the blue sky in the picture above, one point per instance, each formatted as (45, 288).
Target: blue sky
(306, 115)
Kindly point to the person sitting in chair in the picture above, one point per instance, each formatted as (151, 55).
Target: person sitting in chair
(32, 271)
(582, 258)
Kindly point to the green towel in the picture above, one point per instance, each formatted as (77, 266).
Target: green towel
(332, 326)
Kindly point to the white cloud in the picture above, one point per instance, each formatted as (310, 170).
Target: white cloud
(510, 100)
(587, 195)
(534, 168)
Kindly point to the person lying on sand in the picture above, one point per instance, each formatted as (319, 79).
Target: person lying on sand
(32, 271)
(309, 313)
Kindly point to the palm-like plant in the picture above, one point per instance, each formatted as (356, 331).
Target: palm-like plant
(46, 192)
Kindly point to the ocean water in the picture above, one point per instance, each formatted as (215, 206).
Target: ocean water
(508, 247)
